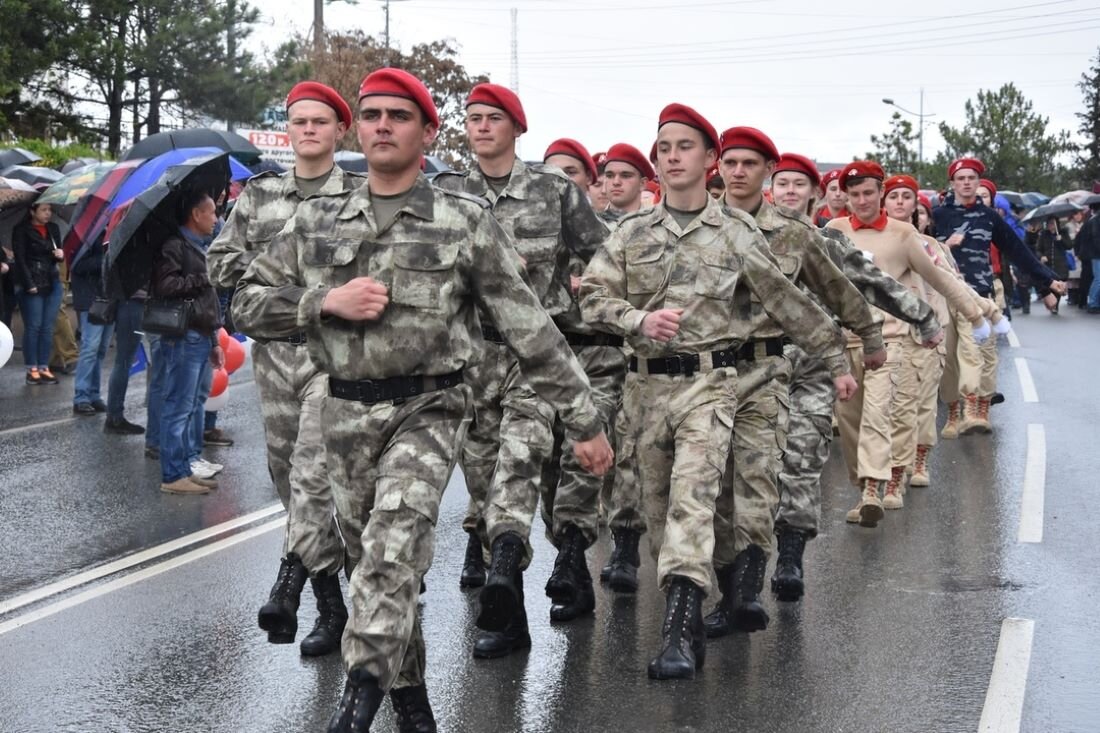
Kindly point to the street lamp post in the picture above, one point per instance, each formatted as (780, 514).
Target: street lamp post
(920, 121)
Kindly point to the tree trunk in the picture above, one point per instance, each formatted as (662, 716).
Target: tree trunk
(114, 99)
(152, 122)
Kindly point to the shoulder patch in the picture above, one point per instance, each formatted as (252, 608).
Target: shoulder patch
(462, 195)
(742, 217)
(549, 170)
(259, 177)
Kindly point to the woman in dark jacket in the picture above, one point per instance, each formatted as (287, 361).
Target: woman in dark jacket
(1050, 247)
(36, 242)
(179, 274)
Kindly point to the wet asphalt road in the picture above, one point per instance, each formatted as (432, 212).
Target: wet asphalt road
(898, 631)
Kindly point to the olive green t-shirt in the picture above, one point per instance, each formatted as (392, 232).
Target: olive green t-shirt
(312, 186)
(683, 218)
(385, 208)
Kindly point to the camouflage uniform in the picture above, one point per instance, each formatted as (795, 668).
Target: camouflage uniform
(813, 396)
(390, 459)
(750, 497)
(291, 387)
(551, 223)
(680, 424)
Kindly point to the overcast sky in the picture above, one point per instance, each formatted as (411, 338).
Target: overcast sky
(810, 74)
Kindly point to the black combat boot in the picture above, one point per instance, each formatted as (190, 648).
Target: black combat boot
(719, 622)
(473, 567)
(748, 580)
(622, 567)
(360, 703)
(787, 581)
(279, 616)
(412, 709)
(512, 638)
(331, 618)
(502, 596)
(570, 585)
(682, 635)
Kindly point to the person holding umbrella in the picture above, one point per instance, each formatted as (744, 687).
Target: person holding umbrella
(36, 243)
(1050, 247)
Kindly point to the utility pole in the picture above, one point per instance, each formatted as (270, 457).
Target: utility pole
(318, 25)
(386, 33)
(920, 115)
(231, 44)
(514, 81)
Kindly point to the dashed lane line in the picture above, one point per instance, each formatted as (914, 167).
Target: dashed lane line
(1035, 469)
(135, 559)
(37, 425)
(1013, 339)
(1027, 384)
(1004, 699)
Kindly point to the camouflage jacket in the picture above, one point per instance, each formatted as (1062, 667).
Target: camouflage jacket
(265, 205)
(441, 255)
(798, 249)
(650, 263)
(549, 219)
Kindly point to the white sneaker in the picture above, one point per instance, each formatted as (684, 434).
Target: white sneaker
(215, 467)
(202, 471)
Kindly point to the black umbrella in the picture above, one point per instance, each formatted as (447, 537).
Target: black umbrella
(78, 163)
(32, 175)
(137, 230)
(17, 156)
(198, 137)
(1093, 200)
(1049, 211)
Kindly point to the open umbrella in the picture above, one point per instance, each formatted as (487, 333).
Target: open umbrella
(148, 174)
(32, 175)
(1047, 211)
(70, 189)
(1015, 200)
(1074, 197)
(137, 230)
(1093, 200)
(198, 137)
(90, 218)
(78, 163)
(17, 156)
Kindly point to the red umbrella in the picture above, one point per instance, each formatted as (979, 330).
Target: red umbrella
(90, 218)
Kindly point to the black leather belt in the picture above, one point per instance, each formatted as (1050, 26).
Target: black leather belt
(490, 333)
(297, 339)
(686, 364)
(749, 351)
(393, 389)
(592, 339)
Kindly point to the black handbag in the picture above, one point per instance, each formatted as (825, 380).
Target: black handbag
(166, 317)
(103, 311)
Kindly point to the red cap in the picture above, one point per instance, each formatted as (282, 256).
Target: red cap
(900, 181)
(318, 92)
(829, 176)
(500, 97)
(598, 159)
(989, 186)
(925, 202)
(751, 138)
(623, 153)
(798, 164)
(654, 188)
(390, 82)
(972, 163)
(572, 148)
(713, 173)
(860, 169)
(687, 116)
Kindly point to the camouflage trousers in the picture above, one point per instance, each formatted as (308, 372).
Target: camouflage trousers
(291, 392)
(680, 432)
(745, 513)
(809, 437)
(622, 496)
(865, 420)
(962, 369)
(570, 494)
(479, 454)
(389, 466)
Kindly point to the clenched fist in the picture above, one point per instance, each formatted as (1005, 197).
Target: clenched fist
(361, 299)
(595, 455)
(662, 325)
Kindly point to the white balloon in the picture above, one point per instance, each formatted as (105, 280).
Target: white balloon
(213, 404)
(7, 344)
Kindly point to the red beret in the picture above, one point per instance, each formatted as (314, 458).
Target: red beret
(860, 169)
(318, 92)
(798, 164)
(925, 202)
(623, 153)
(900, 181)
(751, 138)
(958, 165)
(713, 173)
(687, 116)
(989, 186)
(390, 82)
(572, 148)
(599, 159)
(654, 188)
(829, 176)
(500, 97)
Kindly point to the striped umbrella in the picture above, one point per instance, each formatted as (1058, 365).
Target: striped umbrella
(70, 189)
(90, 218)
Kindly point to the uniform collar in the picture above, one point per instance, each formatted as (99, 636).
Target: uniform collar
(767, 218)
(878, 224)
(421, 202)
(518, 183)
(711, 216)
(333, 186)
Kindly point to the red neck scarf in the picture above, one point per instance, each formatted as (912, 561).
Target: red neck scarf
(878, 224)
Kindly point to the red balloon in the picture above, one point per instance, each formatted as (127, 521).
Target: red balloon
(221, 381)
(224, 339)
(234, 355)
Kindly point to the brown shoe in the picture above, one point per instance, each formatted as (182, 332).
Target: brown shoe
(983, 415)
(954, 416)
(892, 498)
(207, 482)
(920, 467)
(47, 376)
(184, 486)
(870, 505)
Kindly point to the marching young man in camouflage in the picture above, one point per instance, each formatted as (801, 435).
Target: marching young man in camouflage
(574, 160)
(291, 387)
(550, 221)
(667, 280)
(385, 283)
(812, 394)
(745, 519)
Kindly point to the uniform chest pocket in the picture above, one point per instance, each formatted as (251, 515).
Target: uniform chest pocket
(422, 273)
(645, 269)
(260, 233)
(536, 244)
(717, 276)
(329, 251)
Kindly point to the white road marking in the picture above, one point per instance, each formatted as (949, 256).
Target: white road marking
(1027, 384)
(35, 426)
(137, 558)
(1013, 339)
(140, 575)
(1035, 471)
(1004, 700)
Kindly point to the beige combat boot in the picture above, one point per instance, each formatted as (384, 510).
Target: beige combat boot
(983, 415)
(971, 418)
(894, 489)
(869, 510)
(920, 467)
(954, 414)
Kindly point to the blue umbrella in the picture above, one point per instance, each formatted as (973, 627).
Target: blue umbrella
(150, 172)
